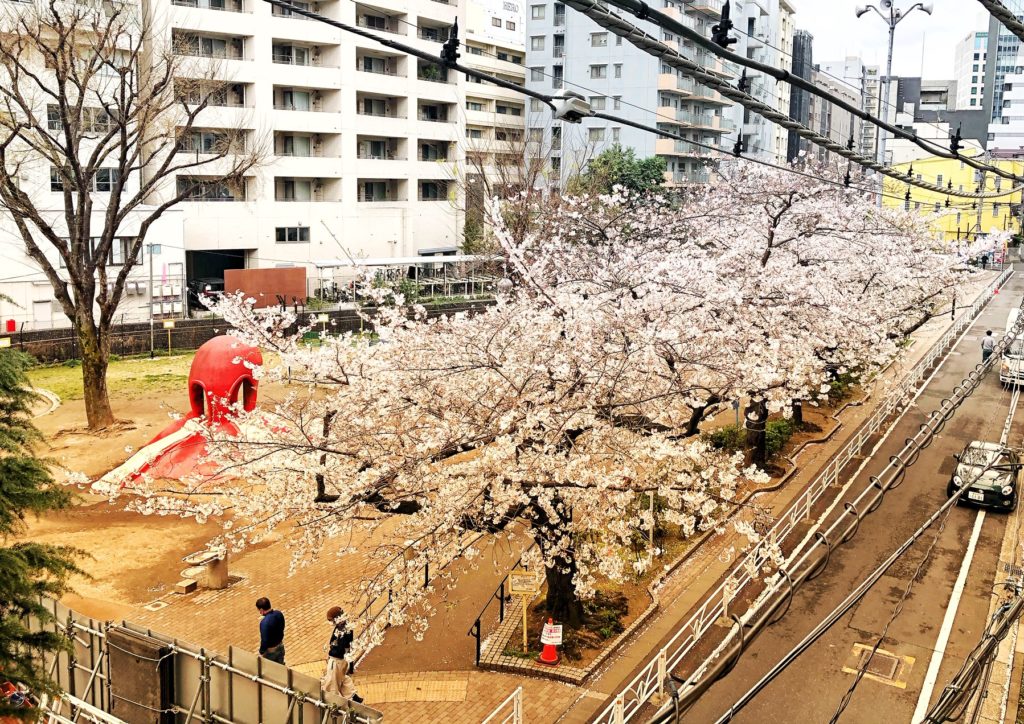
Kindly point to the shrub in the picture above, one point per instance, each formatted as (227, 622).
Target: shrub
(777, 433)
(731, 438)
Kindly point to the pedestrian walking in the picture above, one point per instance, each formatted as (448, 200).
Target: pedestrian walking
(338, 676)
(988, 345)
(271, 631)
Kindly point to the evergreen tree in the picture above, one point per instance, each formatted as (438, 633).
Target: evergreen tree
(27, 570)
(618, 166)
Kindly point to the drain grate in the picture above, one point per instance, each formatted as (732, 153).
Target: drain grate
(884, 666)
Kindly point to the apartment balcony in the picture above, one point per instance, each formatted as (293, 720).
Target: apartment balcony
(380, 148)
(294, 189)
(675, 84)
(434, 33)
(297, 102)
(381, 191)
(434, 189)
(230, 6)
(703, 94)
(706, 6)
(380, 20)
(436, 112)
(672, 147)
(433, 73)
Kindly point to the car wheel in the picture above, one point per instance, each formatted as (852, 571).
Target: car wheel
(1013, 504)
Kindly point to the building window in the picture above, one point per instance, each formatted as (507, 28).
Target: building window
(938, 180)
(292, 234)
(474, 106)
(193, 188)
(536, 106)
(433, 190)
(974, 101)
(976, 56)
(599, 71)
(618, 70)
(974, 79)
(537, 42)
(615, 134)
(597, 103)
(535, 135)
(104, 180)
(56, 182)
(995, 210)
(536, 74)
(496, 22)
(595, 135)
(618, 40)
(958, 215)
(509, 25)
(616, 103)
(598, 40)
(906, 204)
(474, 133)
(537, 12)
(505, 110)
(556, 163)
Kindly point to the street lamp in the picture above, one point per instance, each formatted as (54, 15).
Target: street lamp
(892, 17)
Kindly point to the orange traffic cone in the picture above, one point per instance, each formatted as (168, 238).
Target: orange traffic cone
(550, 653)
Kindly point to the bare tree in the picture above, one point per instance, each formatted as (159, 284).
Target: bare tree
(101, 106)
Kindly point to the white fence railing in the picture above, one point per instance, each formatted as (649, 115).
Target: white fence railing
(651, 678)
(509, 711)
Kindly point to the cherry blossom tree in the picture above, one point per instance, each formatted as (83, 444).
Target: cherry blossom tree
(574, 398)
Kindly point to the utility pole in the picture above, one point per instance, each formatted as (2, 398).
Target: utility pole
(892, 16)
(149, 250)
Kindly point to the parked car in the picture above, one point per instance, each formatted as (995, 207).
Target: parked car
(991, 471)
(204, 287)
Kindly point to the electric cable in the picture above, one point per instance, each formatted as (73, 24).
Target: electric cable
(1004, 15)
(645, 12)
(839, 532)
(600, 14)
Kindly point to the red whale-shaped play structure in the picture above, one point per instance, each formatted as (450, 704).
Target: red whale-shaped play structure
(221, 376)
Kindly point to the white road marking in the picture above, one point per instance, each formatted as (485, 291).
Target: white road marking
(939, 652)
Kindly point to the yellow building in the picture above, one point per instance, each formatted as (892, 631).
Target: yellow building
(961, 218)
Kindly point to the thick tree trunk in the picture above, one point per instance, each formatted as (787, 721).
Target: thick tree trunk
(95, 346)
(697, 415)
(561, 603)
(798, 412)
(756, 417)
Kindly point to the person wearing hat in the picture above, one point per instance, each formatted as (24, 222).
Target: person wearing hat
(338, 676)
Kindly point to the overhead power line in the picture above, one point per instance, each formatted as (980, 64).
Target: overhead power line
(1006, 16)
(814, 560)
(644, 12)
(599, 13)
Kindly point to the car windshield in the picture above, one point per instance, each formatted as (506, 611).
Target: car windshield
(1016, 348)
(978, 457)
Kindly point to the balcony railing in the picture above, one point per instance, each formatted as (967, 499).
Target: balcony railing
(227, 54)
(374, 198)
(386, 156)
(558, 51)
(432, 78)
(292, 60)
(425, 117)
(376, 69)
(559, 20)
(229, 7)
(312, 108)
(381, 114)
(439, 36)
(361, 22)
(422, 157)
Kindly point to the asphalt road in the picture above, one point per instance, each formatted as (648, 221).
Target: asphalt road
(811, 689)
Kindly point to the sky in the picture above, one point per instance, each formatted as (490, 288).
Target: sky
(925, 45)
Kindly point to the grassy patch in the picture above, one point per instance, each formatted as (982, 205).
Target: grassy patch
(134, 376)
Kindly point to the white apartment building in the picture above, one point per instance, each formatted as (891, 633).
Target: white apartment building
(1006, 136)
(495, 117)
(364, 147)
(829, 119)
(362, 142)
(767, 36)
(33, 304)
(969, 70)
(565, 49)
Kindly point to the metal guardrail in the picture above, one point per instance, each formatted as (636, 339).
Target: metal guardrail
(650, 680)
(509, 711)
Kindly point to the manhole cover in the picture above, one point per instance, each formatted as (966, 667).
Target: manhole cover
(156, 605)
(884, 666)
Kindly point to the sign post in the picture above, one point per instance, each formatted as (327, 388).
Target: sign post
(527, 585)
(168, 325)
(5, 342)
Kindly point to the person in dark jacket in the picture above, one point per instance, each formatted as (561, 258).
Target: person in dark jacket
(271, 631)
(338, 675)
